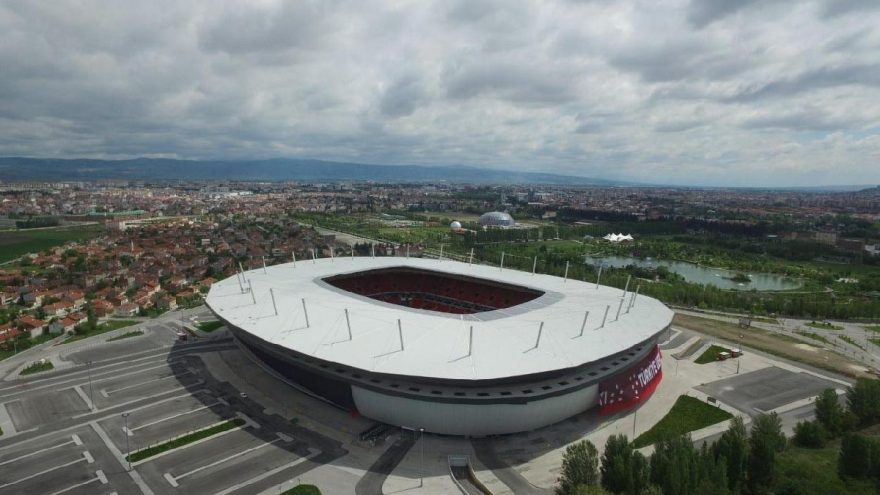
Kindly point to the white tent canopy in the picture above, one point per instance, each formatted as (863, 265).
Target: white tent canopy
(618, 237)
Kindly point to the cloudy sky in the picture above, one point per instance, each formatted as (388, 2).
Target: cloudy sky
(717, 92)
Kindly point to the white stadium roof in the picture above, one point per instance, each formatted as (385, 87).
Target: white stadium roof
(435, 344)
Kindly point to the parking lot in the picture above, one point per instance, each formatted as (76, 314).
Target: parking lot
(72, 429)
(766, 389)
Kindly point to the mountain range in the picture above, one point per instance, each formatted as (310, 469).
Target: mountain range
(16, 169)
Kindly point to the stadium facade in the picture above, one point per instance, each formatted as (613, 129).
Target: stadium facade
(447, 346)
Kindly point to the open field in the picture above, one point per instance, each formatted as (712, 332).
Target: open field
(107, 326)
(778, 345)
(19, 242)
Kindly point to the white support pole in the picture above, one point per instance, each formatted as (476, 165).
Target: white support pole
(251, 290)
(400, 333)
(565, 278)
(534, 265)
(598, 277)
(348, 323)
(540, 331)
(619, 307)
(502, 261)
(584, 324)
(274, 306)
(314, 255)
(471, 257)
(352, 252)
(293, 253)
(407, 250)
(372, 250)
(626, 287)
(332, 258)
(471, 341)
(605, 317)
(264, 263)
(632, 300)
(306, 312)
(441, 252)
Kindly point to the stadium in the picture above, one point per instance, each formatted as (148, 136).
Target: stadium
(447, 346)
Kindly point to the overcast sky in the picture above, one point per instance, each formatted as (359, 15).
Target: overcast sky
(716, 92)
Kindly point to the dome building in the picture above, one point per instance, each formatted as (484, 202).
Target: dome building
(456, 225)
(496, 219)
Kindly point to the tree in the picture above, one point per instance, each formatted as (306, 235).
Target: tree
(617, 464)
(765, 441)
(674, 465)
(580, 464)
(733, 446)
(829, 413)
(810, 434)
(641, 471)
(855, 456)
(863, 399)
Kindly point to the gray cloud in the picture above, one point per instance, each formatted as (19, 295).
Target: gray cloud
(707, 91)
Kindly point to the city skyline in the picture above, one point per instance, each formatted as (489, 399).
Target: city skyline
(707, 93)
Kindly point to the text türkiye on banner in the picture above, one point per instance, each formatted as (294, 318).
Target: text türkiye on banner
(634, 385)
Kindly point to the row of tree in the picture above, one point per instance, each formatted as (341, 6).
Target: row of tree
(742, 461)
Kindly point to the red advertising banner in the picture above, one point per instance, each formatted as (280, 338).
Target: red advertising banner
(632, 386)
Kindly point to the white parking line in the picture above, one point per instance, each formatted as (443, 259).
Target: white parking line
(88, 456)
(85, 398)
(99, 477)
(263, 476)
(106, 393)
(141, 399)
(113, 374)
(25, 456)
(135, 476)
(170, 477)
(132, 430)
(43, 472)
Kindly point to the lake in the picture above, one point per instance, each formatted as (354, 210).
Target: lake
(697, 274)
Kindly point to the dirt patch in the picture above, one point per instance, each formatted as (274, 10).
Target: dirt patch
(779, 345)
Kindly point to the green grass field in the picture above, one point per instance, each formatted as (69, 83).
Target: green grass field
(710, 355)
(107, 326)
(824, 326)
(209, 326)
(127, 335)
(184, 440)
(821, 464)
(37, 367)
(303, 490)
(16, 243)
(688, 414)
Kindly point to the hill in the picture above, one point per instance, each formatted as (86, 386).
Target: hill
(14, 169)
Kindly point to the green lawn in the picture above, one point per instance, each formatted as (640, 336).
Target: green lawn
(209, 326)
(688, 414)
(303, 490)
(824, 325)
(37, 367)
(851, 341)
(19, 242)
(107, 326)
(710, 355)
(814, 336)
(127, 335)
(184, 440)
(873, 328)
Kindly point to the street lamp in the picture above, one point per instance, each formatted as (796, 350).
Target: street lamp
(127, 449)
(91, 395)
(421, 457)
